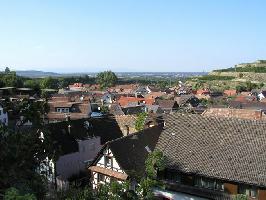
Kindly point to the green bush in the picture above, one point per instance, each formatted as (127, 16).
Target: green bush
(214, 77)
(139, 124)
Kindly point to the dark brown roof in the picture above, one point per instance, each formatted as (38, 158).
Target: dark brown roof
(223, 148)
(167, 104)
(106, 128)
(248, 105)
(131, 151)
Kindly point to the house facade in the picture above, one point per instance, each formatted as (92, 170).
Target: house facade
(124, 156)
(76, 144)
(206, 157)
(106, 169)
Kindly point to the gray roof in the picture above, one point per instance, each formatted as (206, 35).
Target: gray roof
(222, 148)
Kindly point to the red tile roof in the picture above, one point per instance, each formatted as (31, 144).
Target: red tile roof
(203, 92)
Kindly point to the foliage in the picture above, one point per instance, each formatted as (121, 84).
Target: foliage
(7, 70)
(32, 111)
(214, 77)
(104, 109)
(33, 84)
(139, 124)
(20, 153)
(13, 194)
(106, 79)
(248, 68)
(154, 163)
(76, 194)
(248, 86)
(240, 197)
(49, 82)
(10, 79)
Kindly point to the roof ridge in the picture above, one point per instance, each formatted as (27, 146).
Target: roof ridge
(215, 117)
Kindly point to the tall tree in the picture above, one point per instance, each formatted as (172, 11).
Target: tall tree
(49, 82)
(7, 70)
(106, 79)
(20, 154)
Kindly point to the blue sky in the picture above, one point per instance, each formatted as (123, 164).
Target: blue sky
(130, 35)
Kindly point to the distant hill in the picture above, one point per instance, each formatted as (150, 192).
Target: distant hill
(36, 74)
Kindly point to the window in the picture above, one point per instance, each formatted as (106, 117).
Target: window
(248, 190)
(107, 161)
(209, 183)
(101, 178)
(172, 176)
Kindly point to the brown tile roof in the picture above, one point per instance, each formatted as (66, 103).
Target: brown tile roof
(124, 101)
(235, 113)
(109, 172)
(62, 116)
(60, 104)
(116, 109)
(167, 104)
(245, 99)
(223, 148)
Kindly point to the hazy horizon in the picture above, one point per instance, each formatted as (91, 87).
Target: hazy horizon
(130, 36)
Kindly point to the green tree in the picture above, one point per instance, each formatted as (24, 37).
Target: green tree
(106, 79)
(11, 80)
(49, 82)
(76, 194)
(33, 111)
(14, 194)
(140, 121)
(250, 85)
(7, 70)
(241, 88)
(20, 154)
(33, 84)
(104, 109)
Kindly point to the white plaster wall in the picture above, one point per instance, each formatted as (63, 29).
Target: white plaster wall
(115, 166)
(114, 162)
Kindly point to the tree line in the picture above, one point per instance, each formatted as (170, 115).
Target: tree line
(105, 79)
